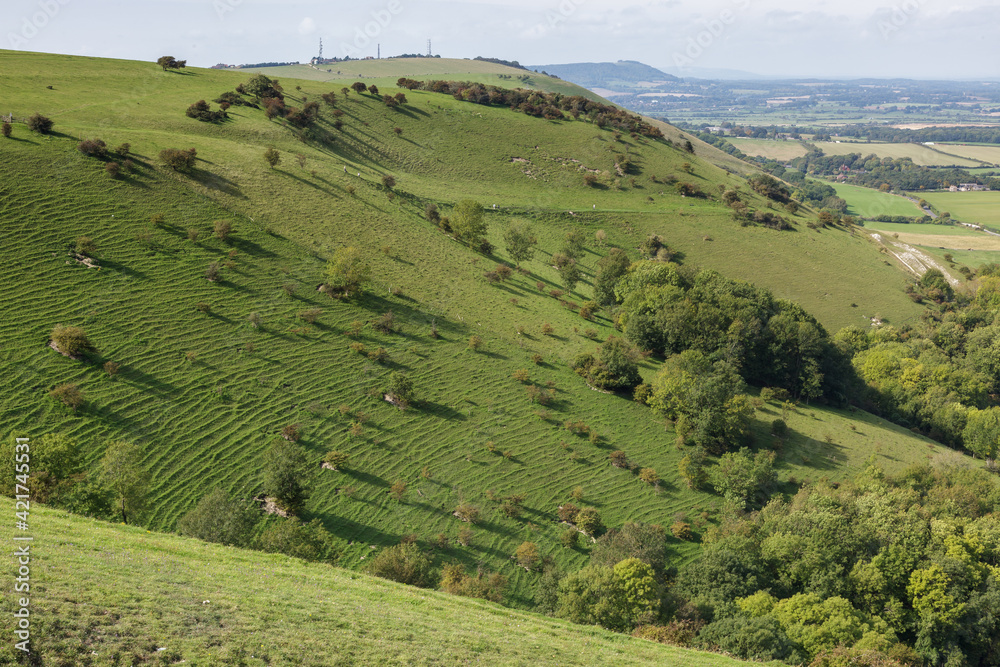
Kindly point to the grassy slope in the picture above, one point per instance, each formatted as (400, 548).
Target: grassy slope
(111, 595)
(207, 422)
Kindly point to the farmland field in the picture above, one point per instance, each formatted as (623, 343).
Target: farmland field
(921, 155)
(989, 154)
(867, 203)
(981, 208)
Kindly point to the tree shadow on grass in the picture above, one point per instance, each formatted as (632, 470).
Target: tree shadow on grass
(366, 478)
(441, 410)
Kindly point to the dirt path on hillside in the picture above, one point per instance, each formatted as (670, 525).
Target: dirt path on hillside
(916, 261)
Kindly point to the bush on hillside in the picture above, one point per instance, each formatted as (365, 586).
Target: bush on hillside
(219, 518)
(93, 147)
(177, 159)
(39, 123)
(403, 563)
(71, 341)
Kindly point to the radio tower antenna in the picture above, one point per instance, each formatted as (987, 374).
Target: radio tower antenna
(320, 48)
(428, 48)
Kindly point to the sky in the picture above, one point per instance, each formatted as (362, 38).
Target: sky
(922, 39)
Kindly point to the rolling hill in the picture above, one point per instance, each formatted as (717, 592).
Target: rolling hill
(211, 371)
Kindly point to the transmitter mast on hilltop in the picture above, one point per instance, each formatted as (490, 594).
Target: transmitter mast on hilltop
(428, 48)
(320, 57)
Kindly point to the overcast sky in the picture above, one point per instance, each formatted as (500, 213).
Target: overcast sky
(830, 38)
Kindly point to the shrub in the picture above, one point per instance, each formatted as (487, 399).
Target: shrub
(649, 476)
(222, 229)
(310, 315)
(467, 513)
(124, 150)
(386, 322)
(219, 518)
(681, 530)
(398, 489)
(272, 157)
(38, 123)
(590, 180)
(403, 563)
(522, 375)
(85, 246)
(112, 368)
(388, 181)
(526, 555)
(567, 512)
(93, 147)
(779, 428)
(71, 341)
(254, 319)
(212, 272)
(618, 459)
(537, 359)
(193, 234)
(547, 329)
(291, 433)
(569, 538)
(379, 355)
(475, 343)
(336, 459)
(589, 521)
(6, 129)
(69, 394)
(400, 389)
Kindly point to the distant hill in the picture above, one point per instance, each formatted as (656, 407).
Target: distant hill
(603, 75)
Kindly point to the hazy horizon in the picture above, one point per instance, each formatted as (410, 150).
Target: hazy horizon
(916, 39)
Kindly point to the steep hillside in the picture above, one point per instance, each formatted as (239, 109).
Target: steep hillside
(205, 390)
(112, 595)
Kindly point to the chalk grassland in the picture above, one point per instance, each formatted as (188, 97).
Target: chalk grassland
(387, 71)
(868, 203)
(980, 208)
(109, 594)
(206, 392)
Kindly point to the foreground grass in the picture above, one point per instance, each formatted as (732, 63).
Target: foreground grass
(106, 594)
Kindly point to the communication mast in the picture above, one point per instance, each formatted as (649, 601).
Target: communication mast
(428, 48)
(320, 49)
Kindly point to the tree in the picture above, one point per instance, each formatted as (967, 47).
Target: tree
(640, 592)
(262, 87)
(388, 181)
(272, 157)
(745, 479)
(336, 459)
(467, 222)
(400, 389)
(519, 241)
(6, 129)
(169, 62)
(527, 555)
(403, 563)
(39, 123)
(222, 229)
(347, 270)
(610, 268)
(121, 471)
(177, 159)
(691, 468)
(286, 475)
(589, 521)
(359, 87)
(71, 341)
(219, 518)
(982, 432)
(570, 275)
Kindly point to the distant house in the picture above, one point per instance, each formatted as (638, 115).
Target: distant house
(971, 187)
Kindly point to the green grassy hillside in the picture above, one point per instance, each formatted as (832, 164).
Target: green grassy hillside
(205, 393)
(114, 595)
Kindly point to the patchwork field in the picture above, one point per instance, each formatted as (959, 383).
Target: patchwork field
(777, 150)
(921, 155)
(985, 153)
